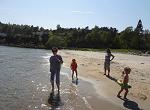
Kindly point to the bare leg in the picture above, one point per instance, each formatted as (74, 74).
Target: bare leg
(52, 83)
(125, 95)
(104, 71)
(72, 74)
(76, 74)
(58, 88)
(119, 93)
(58, 81)
(108, 71)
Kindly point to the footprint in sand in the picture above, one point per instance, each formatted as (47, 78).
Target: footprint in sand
(142, 96)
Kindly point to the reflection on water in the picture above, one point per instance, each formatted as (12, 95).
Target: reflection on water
(24, 82)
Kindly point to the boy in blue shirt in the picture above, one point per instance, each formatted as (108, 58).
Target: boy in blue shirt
(55, 66)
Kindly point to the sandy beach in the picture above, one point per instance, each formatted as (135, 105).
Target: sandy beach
(25, 83)
(90, 68)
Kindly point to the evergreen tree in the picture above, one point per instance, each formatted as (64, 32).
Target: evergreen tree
(139, 28)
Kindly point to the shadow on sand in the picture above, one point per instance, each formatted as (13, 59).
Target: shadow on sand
(113, 79)
(129, 104)
(54, 101)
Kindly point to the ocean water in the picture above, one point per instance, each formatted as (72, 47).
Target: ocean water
(25, 85)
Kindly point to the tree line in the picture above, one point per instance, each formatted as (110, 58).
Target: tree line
(97, 37)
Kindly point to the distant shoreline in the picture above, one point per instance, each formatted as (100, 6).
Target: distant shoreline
(125, 51)
(24, 46)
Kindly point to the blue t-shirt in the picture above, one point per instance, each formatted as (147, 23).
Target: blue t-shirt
(55, 62)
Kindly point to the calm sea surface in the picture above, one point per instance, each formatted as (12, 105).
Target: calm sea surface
(25, 85)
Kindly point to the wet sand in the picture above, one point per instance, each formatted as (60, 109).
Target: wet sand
(90, 67)
(84, 92)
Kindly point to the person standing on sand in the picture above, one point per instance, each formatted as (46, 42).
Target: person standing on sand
(125, 85)
(108, 55)
(55, 66)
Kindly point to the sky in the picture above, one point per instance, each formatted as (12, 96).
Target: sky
(76, 13)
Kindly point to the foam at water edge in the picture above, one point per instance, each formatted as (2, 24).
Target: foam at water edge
(65, 74)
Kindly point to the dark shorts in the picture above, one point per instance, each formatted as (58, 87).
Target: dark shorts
(57, 74)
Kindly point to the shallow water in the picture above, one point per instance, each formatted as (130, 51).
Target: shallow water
(25, 85)
(24, 82)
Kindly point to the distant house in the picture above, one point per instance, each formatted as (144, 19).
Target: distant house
(2, 35)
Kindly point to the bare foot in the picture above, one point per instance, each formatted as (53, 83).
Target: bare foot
(125, 98)
(118, 96)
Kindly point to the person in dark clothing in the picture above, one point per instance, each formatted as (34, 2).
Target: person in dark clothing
(55, 66)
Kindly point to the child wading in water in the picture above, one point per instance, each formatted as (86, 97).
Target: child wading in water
(125, 85)
(108, 55)
(55, 66)
(73, 67)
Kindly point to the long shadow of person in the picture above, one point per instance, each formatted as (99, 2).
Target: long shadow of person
(54, 101)
(127, 103)
(113, 79)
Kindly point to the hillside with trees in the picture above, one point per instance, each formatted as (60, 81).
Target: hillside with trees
(97, 37)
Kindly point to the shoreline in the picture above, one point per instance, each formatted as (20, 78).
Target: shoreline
(122, 51)
(91, 67)
(87, 92)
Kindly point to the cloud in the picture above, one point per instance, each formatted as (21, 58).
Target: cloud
(82, 12)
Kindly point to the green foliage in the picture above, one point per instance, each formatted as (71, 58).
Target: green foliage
(128, 39)
(85, 38)
(55, 41)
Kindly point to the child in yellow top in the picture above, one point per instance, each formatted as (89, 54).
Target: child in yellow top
(124, 85)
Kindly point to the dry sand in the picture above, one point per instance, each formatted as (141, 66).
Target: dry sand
(90, 67)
